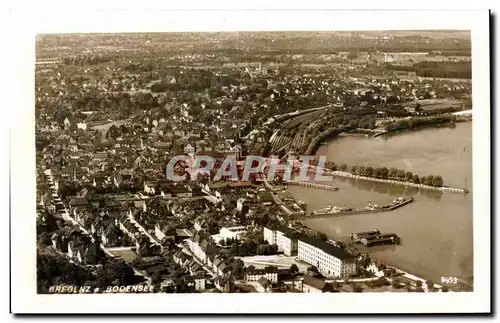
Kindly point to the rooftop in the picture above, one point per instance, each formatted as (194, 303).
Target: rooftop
(330, 249)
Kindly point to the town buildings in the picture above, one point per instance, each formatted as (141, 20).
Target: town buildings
(310, 284)
(283, 238)
(270, 273)
(230, 233)
(329, 259)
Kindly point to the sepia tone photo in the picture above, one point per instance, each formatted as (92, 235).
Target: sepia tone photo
(390, 110)
(348, 161)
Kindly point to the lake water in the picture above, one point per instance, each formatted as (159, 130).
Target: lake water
(436, 229)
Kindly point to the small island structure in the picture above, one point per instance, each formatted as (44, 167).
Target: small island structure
(375, 238)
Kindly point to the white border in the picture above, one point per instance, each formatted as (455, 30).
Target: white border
(24, 24)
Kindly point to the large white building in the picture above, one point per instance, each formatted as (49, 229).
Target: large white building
(270, 273)
(329, 259)
(230, 233)
(283, 238)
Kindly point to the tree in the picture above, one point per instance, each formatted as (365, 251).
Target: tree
(330, 165)
(429, 180)
(117, 271)
(400, 174)
(430, 284)
(392, 172)
(369, 171)
(322, 236)
(156, 277)
(422, 179)
(343, 167)
(264, 219)
(353, 169)
(409, 176)
(294, 269)
(250, 268)
(44, 238)
(377, 172)
(113, 132)
(361, 170)
(437, 181)
(238, 267)
(312, 269)
(416, 179)
(384, 172)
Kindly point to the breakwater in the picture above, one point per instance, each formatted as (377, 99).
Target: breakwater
(314, 185)
(392, 181)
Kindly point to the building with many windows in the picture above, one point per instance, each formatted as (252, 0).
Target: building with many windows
(329, 259)
(283, 238)
(269, 272)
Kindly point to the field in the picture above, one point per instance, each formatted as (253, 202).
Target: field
(126, 254)
(280, 261)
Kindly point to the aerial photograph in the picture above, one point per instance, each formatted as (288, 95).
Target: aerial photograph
(254, 162)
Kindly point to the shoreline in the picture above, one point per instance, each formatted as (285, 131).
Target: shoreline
(326, 141)
(436, 126)
(413, 269)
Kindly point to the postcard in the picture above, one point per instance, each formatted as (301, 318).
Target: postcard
(251, 161)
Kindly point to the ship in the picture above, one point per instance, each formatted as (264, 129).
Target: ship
(372, 207)
(331, 210)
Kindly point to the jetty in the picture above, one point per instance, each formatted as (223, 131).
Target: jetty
(366, 210)
(312, 184)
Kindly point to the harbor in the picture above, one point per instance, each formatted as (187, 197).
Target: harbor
(445, 219)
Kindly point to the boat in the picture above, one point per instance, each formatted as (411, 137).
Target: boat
(328, 209)
(398, 200)
(331, 210)
(372, 207)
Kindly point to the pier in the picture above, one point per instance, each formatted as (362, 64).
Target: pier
(375, 238)
(314, 185)
(359, 211)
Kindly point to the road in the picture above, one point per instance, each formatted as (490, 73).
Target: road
(275, 196)
(204, 266)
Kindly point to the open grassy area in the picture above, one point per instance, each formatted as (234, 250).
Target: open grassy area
(279, 261)
(127, 255)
